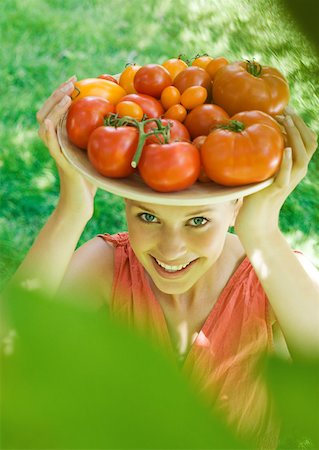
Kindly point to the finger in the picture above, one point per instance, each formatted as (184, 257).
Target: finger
(65, 88)
(284, 175)
(308, 136)
(295, 141)
(57, 112)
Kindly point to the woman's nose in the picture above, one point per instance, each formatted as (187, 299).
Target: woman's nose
(171, 246)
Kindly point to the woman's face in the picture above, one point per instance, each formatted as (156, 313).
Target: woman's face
(174, 237)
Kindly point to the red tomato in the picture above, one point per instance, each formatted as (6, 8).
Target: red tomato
(178, 132)
(245, 86)
(152, 79)
(169, 167)
(106, 76)
(249, 151)
(150, 106)
(201, 119)
(198, 142)
(193, 76)
(84, 116)
(98, 88)
(111, 150)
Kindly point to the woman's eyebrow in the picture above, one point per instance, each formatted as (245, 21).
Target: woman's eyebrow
(192, 214)
(146, 208)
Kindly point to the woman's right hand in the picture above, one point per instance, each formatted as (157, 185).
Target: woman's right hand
(76, 193)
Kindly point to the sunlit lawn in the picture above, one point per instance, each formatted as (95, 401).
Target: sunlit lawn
(43, 43)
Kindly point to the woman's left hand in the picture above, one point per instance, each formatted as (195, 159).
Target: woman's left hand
(261, 210)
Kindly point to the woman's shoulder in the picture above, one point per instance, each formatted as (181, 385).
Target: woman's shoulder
(91, 269)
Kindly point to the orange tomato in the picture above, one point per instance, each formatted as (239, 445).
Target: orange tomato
(170, 96)
(246, 86)
(131, 109)
(174, 66)
(214, 65)
(247, 149)
(202, 61)
(98, 87)
(193, 96)
(127, 78)
(176, 112)
(198, 142)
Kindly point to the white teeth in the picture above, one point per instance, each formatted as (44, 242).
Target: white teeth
(172, 268)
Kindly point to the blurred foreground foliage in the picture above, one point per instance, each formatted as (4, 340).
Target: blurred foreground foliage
(76, 379)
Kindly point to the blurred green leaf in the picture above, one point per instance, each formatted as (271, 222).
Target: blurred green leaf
(77, 379)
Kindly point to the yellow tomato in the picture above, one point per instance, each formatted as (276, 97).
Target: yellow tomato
(127, 78)
(193, 96)
(98, 87)
(170, 96)
(174, 66)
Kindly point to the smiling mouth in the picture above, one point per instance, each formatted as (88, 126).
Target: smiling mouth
(173, 269)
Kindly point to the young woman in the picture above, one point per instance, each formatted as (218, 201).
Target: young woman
(216, 300)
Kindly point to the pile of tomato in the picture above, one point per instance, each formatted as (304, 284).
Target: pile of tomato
(178, 122)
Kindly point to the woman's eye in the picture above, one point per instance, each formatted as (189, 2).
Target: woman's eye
(198, 221)
(147, 217)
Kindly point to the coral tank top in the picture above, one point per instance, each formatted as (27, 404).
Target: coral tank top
(222, 360)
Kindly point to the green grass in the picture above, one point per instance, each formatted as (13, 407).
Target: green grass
(44, 43)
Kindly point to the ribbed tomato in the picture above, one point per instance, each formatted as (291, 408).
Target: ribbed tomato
(246, 86)
(247, 150)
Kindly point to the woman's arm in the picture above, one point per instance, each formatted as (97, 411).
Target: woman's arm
(289, 280)
(46, 263)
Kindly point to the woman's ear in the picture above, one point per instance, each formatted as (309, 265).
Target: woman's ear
(237, 207)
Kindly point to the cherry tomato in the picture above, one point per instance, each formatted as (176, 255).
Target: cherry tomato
(169, 167)
(202, 61)
(198, 142)
(174, 66)
(150, 106)
(178, 132)
(127, 78)
(152, 79)
(249, 151)
(193, 76)
(106, 76)
(170, 96)
(193, 96)
(98, 87)
(128, 108)
(214, 65)
(84, 116)
(111, 150)
(176, 112)
(201, 119)
(245, 86)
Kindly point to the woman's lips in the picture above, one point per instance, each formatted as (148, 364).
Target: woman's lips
(175, 274)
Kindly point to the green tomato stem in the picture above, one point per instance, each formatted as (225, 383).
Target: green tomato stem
(114, 120)
(232, 125)
(253, 67)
